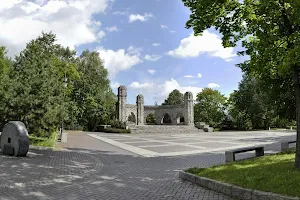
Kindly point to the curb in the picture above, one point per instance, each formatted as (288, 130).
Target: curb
(232, 190)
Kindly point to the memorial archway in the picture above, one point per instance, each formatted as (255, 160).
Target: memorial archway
(166, 119)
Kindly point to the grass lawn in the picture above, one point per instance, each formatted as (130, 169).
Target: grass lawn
(274, 173)
(42, 141)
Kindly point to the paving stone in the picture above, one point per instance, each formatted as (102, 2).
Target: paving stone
(91, 169)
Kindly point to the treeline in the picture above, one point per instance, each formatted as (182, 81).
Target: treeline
(47, 85)
(259, 103)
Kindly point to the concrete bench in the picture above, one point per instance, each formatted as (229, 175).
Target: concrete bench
(230, 155)
(285, 144)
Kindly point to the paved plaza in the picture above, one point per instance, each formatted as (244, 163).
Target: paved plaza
(108, 166)
(153, 145)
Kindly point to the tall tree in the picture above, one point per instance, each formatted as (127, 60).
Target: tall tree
(210, 107)
(174, 98)
(94, 97)
(5, 89)
(39, 91)
(269, 31)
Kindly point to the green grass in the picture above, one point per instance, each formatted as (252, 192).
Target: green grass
(274, 173)
(42, 141)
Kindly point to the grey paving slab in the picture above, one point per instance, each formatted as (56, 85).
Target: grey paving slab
(87, 170)
(214, 144)
(148, 143)
(204, 142)
(171, 148)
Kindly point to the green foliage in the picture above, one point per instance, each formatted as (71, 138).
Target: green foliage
(118, 124)
(43, 141)
(131, 118)
(274, 173)
(269, 31)
(253, 106)
(210, 107)
(46, 85)
(6, 86)
(92, 93)
(174, 98)
(116, 130)
(150, 119)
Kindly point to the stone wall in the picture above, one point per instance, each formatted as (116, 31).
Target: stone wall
(141, 111)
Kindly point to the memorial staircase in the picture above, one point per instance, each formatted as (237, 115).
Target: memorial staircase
(164, 129)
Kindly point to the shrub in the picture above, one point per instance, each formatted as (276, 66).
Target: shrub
(115, 130)
(150, 119)
(118, 124)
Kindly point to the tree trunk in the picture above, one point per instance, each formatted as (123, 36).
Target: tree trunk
(297, 95)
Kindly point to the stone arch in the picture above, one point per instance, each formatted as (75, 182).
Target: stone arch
(132, 118)
(180, 118)
(166, 119)
(150, 118)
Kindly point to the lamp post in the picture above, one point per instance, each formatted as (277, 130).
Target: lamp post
(65, 84)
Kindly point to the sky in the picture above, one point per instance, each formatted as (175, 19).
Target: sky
(144, 43)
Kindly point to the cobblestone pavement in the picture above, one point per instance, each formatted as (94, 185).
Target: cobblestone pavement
(91, 169)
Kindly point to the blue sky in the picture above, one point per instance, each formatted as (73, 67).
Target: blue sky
(144, 44)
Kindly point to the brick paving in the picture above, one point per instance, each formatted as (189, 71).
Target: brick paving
(91, 169)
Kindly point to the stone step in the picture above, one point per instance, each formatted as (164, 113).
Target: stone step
(164, 129)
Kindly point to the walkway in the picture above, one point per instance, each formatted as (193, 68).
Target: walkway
(91, 169)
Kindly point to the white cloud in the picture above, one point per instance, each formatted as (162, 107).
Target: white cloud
(132, 50)
(213, 85)
(191, 76)
(71, 20)
(100, 35)
(172, 31)
(138, 17)
(159, 92)
(120, 13)
(112, 29)
(114, 85)
(137, 85)
(156, 44)
(164, 26)
(170, 85)
(210, 43)
(119, 60)
(152, 58)
(152, 71)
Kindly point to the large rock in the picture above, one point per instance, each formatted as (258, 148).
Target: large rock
(14, 139)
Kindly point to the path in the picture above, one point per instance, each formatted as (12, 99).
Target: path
(91, 169)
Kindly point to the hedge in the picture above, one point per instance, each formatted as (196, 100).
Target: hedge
(115, 130)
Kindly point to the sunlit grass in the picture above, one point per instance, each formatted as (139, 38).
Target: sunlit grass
(42, 141)
(274, 173)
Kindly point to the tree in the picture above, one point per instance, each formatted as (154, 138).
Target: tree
(92, 93)
(5, 89)
(268, 30)
(174, 98)
(39, 90)
(210, 107)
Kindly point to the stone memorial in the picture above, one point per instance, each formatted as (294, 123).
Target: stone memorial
(14, 139)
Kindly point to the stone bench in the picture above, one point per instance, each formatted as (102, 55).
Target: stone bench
(285, 144)
(230, 155)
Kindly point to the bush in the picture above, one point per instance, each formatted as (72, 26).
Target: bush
(115, 130)
(150, 119)
(118, 124)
